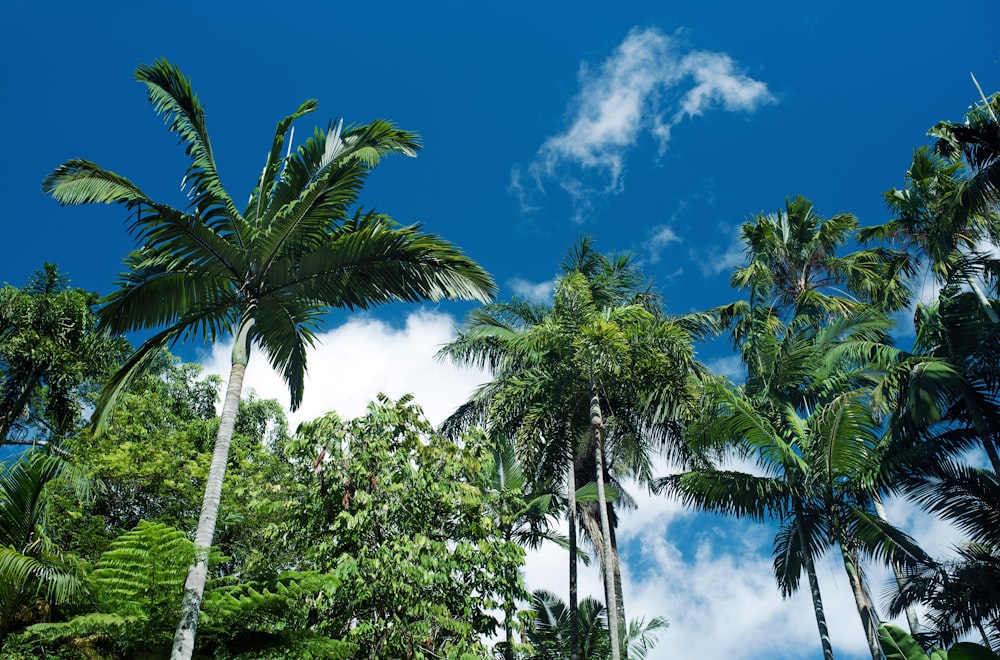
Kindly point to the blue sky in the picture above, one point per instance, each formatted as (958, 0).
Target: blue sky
(657, 128)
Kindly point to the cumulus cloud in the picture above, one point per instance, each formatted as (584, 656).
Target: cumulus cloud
(649, 84)
(711, 578)
(540, 292)
(352, 363)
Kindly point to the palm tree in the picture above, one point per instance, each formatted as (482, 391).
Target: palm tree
(808, 420)
(793, 266)
(557, 370)
(266, 275)
(976, 140)
(31, 567)
(549, 631)
(934, 224)
(961, 595)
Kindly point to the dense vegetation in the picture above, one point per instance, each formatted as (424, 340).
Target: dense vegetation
(135, 522)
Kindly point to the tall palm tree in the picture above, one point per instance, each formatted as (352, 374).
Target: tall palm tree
(809, 424)
(266, 274)
(556, 371)
(932, 222)
(976, 140)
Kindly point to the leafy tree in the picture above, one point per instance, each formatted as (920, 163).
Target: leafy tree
(152, 462)
(402, 518)
(265, 275)
(51, 356)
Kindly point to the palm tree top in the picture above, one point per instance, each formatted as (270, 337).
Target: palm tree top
(299, 248)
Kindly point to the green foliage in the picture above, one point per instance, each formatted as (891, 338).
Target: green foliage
(897, 644)
(549, 630)
(34, 574)
(403, 517)
(136, 588)
(276, 619)
(51, 356)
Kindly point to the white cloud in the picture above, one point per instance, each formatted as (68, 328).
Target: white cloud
(730, 366)
(722, 259)
(540, 292)
(636, 90)
(710, 577)
(660, 237)
(352, 363)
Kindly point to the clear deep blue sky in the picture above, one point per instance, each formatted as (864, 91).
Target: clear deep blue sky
(854, 87)
(541, 121)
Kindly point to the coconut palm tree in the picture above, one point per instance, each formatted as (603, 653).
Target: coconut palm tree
(265, 275)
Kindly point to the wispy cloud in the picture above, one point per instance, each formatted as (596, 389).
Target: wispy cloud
(540, 292)
(649, 84)
(719, 259)
(660, 237)
(730, 366)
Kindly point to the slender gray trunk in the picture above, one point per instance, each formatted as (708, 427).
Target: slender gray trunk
(194, 585)
(619, 593)
(866, 608)
(574, 624)
(911, 612)
(817, 598)
(596, 425)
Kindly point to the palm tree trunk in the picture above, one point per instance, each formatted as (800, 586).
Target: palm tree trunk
(574, 624)
(619, 593)
(194, 585)
(596, 424)
(866, 608)
(983, 300)
(817, 598)
(911, 612)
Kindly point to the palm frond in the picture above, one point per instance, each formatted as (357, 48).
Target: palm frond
(172, 97)
(79, 181)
